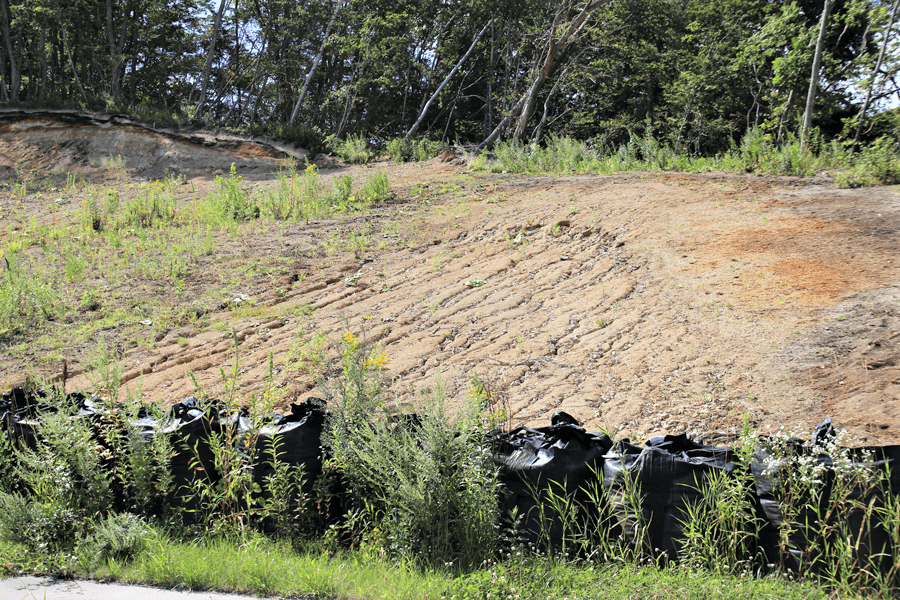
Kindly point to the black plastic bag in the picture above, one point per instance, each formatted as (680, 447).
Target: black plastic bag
(664, 478)
(562, 459)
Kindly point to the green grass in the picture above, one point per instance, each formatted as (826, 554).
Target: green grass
(877, 164)
(265, 567)
(262, 566)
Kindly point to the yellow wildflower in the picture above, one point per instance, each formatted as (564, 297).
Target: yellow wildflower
(351, 340)
(377, 361)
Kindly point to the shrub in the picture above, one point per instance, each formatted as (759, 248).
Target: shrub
(231, 203)
(61, 483)
(427, 483)
(353, 149)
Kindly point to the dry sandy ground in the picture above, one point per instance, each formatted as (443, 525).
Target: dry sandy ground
(642, 303)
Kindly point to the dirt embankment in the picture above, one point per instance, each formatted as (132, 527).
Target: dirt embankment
(64, 141)
(645, 303)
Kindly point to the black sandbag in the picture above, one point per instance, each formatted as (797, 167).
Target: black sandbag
(865, 526)
(666, 474)
(189, 430)
(805, 531)
(21, 410)
(297, 440)
(562, 459)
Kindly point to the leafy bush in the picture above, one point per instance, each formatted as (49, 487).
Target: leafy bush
(232, 203)
(427, 483)
(353, 149)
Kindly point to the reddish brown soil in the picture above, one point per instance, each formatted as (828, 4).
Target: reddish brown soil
(646, 303)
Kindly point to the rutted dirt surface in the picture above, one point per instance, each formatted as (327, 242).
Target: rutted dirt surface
(650, 304)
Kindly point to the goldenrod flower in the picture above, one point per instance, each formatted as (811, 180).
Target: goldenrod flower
(350, 340)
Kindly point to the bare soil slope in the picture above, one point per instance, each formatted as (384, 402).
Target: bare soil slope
(63, 141)
(650, 304)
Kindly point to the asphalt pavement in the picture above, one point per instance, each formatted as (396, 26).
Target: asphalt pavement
(44, 588)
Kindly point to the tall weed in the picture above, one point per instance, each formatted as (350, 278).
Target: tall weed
(153, 205)
(231, 203)
(427, 483)
(28, 294)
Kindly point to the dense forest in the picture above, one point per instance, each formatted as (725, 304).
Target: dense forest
(697, 74)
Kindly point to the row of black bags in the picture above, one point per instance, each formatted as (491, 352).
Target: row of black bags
(642, 492)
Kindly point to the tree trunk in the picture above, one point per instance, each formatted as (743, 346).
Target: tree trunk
(412, 130)
(884, 43)
(814, 76)
(72, 65)
(15, 76)
(787, 106)
(256, 75)
(207, 67)
(4, 94)
(42, 92)
(556, 48)
(555, 51)
(116, 59)
(312, 69)
(489, 98)
(539, 131)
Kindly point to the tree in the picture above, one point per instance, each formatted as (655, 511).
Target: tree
(556, 47)
(871, 83)
(814, 76)
(412, 130)
(210, 53)
(316, 61)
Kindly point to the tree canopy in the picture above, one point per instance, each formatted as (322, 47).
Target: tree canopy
(696, 73)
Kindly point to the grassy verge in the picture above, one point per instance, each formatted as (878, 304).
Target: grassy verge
(265, 567)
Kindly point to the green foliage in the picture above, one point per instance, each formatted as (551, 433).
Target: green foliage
(428, 484)
(353, 149)
(118, 537)
(406, 150)
(877, 164)
(28, 294)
